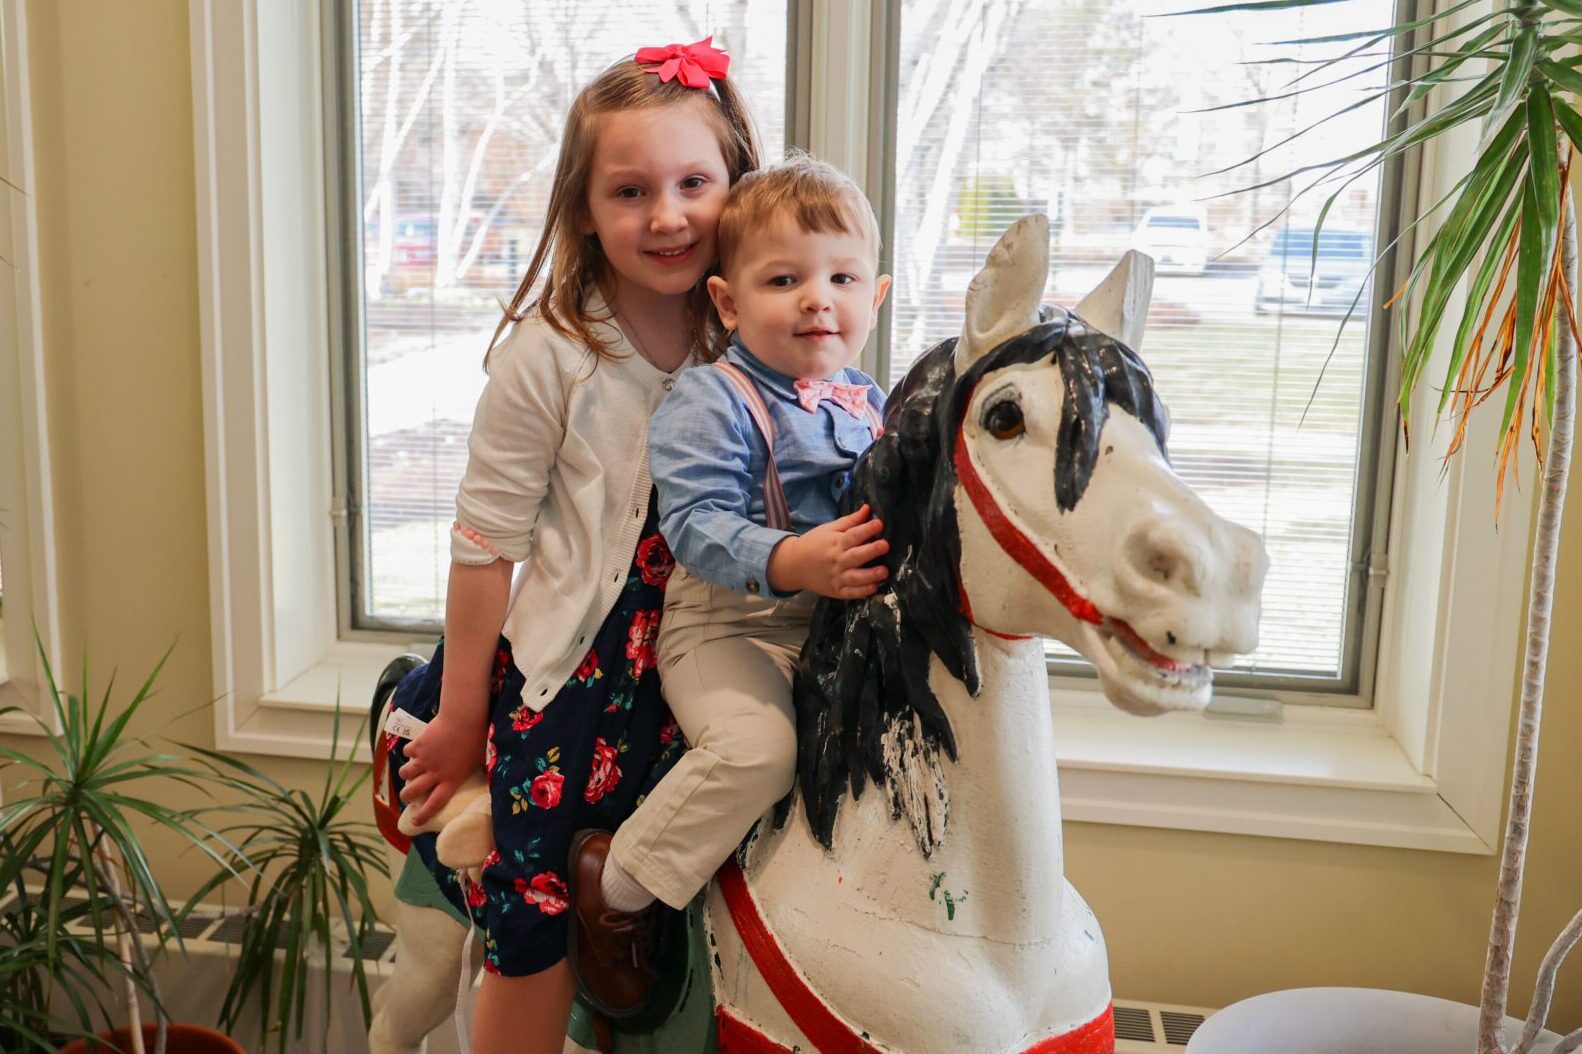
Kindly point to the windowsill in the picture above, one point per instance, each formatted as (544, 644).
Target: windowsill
(299, 719)
(1321, 774)
(19, 721)
(346, 676)
(1323, 748)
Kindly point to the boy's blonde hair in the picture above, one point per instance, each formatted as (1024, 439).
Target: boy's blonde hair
(814, 194)
(571, 262)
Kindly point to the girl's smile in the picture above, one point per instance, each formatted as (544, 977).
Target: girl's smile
(673, 257)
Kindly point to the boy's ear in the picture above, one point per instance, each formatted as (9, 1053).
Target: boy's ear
(724, 303)
(881, 289)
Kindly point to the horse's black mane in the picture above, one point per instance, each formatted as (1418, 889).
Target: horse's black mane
(864, 706)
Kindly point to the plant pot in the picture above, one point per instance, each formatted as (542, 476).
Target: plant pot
(179, 1039)
(1347, 1021)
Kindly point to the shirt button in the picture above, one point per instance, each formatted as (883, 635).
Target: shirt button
(669, 383)
(752, 586)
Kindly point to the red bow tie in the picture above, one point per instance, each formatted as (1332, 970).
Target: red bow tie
(853, 398)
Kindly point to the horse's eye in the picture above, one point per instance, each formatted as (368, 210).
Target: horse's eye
(1004, 420)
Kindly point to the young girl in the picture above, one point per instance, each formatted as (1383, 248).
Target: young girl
(550, 677)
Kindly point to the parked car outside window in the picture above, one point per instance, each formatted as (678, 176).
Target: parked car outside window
(1290, 281)
(1176, 236)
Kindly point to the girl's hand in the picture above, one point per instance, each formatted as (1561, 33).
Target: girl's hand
(829, 559)
(439, 761)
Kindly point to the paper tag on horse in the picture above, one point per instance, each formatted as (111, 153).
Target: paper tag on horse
(405, 725)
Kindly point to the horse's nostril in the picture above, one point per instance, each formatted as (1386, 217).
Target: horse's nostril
(1157, 554)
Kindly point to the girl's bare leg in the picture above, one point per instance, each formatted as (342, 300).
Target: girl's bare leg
(523, 1015)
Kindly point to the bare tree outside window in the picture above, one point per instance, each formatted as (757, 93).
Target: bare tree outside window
(461, 107)
(1118, 124)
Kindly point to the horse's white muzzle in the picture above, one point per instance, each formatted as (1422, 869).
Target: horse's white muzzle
(1183, 596)
(1192, 583)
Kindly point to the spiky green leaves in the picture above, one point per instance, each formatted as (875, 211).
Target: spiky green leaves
(304, 863)
(1503, 215)
(78, 811)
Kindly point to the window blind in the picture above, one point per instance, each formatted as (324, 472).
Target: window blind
(461, 104)
(1117, 122)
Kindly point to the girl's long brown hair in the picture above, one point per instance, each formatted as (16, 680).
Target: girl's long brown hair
(574, 262)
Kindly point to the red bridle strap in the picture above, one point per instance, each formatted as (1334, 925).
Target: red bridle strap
(1016, 544)
(966, 613)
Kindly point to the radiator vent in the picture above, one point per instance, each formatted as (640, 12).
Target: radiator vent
(1155, 1028)
(1178, 1026)
(213, 925)
(1134, 1022)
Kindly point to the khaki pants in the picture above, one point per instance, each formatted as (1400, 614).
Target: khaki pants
(726, 660)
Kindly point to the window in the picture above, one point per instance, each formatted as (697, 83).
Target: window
(459, 111)
(1113, 121)
(461, 107)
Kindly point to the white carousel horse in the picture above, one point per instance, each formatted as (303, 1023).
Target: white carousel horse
(1025, 491)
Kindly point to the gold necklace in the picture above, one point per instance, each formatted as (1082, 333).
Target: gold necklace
(640, 344)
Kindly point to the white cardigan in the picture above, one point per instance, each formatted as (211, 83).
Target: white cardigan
(557, 481)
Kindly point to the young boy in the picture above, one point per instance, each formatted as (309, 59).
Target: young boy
(750, 457)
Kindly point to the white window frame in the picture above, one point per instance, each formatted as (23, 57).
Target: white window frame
(27, 539)
(1423, 769)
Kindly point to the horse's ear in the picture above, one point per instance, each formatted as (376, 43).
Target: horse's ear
(1118, 306)
(1003, 299)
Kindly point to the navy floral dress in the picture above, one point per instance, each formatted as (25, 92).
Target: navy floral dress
(586, 760)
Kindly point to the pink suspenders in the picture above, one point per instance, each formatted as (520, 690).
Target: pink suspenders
(776, 511)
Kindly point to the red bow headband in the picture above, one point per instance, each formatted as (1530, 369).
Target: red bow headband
(692, 64)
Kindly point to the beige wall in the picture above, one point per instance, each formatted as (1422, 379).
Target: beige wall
(1192, 918)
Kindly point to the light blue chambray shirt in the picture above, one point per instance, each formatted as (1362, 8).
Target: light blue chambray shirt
(708, 459)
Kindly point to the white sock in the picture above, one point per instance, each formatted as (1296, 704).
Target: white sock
(621, 891)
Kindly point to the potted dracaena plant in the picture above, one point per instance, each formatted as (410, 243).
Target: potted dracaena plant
(1505, 237)
(78, 885)
(305, 864)
(33, 974)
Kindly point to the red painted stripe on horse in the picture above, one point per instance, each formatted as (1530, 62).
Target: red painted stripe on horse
(738, 1036)
(812, 1016)
(1017, 545)
(386, 814)
(828, 1033)
(1095, 1037)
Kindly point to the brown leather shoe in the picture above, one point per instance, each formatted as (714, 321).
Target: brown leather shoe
(611, 952)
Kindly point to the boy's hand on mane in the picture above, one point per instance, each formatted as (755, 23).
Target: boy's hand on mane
(831, 559)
